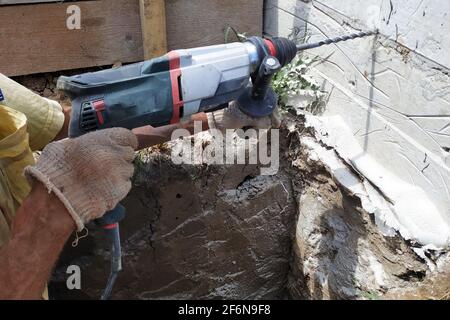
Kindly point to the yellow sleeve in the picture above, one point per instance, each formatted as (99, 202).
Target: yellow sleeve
(15, 155)
(45, 117)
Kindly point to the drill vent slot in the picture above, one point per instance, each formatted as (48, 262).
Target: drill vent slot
(88, 118)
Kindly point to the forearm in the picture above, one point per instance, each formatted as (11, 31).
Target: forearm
(64, 132)
(40, 230)
(149, 136)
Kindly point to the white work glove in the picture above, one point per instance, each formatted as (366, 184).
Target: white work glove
(233, 118)
(89, 174)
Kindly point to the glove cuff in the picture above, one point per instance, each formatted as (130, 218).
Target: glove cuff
(33, 172)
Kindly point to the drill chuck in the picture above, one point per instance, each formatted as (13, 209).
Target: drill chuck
(285, 50)
(281, 48)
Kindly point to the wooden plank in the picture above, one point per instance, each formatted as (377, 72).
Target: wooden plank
(192, 23)
(3, 2)
(153, 25)
(35, 38)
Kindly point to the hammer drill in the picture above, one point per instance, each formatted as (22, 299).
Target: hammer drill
(166, 89)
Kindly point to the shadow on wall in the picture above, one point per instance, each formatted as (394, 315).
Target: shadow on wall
(333, 237)
(330, 235)
(328, 250)
(371, 102)
(371, 93)
(338, 257)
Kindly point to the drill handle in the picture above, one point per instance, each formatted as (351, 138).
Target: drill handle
(111, 218)
(269, 66)
(110, 223)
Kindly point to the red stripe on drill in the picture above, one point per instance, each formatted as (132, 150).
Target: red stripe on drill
(272, 50)
(110, 226)
(175, 72)
(100, 118)
(99, 106)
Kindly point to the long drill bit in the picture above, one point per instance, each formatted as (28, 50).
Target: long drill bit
(361, 34)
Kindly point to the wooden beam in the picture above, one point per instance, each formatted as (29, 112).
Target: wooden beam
(3, 2)
(35, 38)
(194, 23)
(153, 25)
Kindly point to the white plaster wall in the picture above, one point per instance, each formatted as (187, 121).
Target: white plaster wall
(389, 109)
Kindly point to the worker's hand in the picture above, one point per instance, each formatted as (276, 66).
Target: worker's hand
(233, 118)
(89, 174)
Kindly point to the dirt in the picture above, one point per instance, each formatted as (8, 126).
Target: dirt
(200, 231)
(226, 232)
(339, 251)
(434, 287)
(44, 84)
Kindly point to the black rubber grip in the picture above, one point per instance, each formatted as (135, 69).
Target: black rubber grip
(111, 217)
(286, 50)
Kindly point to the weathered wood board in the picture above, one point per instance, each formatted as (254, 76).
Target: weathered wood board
(2, 2)
(35, 38)
(192, 23)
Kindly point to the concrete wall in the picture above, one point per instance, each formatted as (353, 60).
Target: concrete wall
(388, 114)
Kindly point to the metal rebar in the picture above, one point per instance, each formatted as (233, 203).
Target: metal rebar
(361, 34)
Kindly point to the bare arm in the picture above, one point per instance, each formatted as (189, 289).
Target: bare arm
(64, 132)
(149, 136)
(40, 229)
